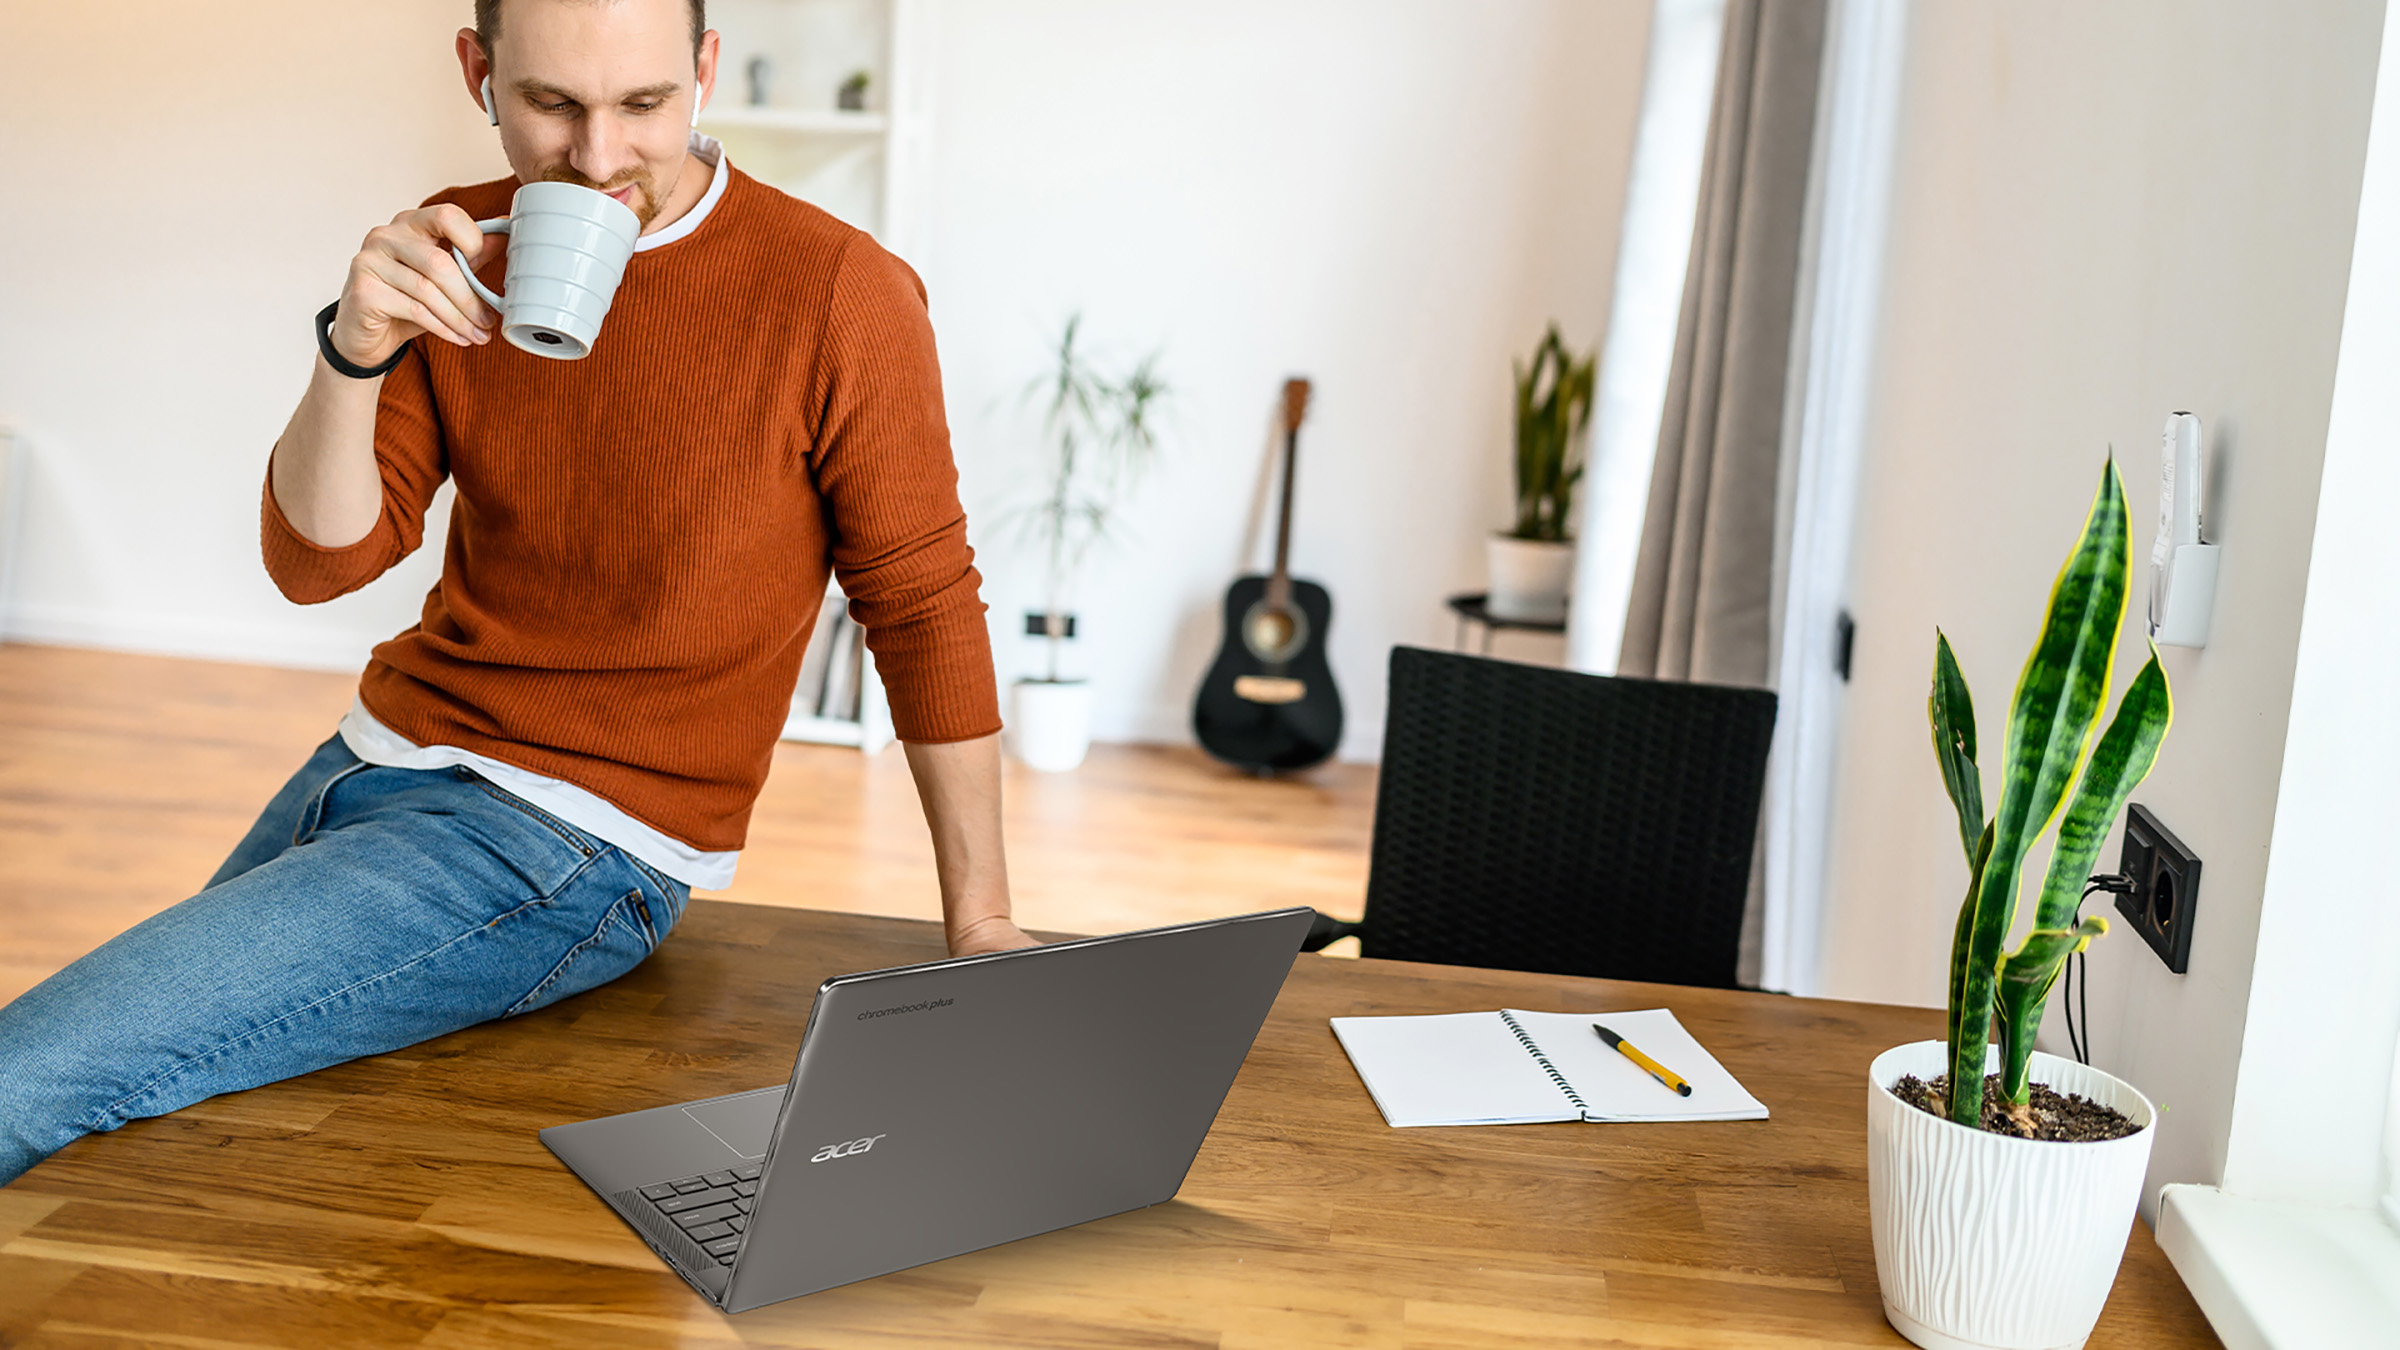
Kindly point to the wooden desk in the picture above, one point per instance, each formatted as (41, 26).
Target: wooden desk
(404, 1200)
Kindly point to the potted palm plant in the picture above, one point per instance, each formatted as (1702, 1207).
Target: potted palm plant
(2000, 1211)
(1529, 564)
(1098, 433)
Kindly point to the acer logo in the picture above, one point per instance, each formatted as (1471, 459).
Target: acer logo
(845, 1150)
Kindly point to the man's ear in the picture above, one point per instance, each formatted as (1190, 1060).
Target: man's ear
(475, 66)
(705, 71)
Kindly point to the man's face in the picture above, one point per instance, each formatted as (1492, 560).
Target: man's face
(599, 93)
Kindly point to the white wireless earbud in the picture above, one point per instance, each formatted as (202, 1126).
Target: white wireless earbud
(490, 108)
(697, 95)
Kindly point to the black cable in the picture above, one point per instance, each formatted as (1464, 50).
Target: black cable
(2083, 996)
(2076, 998)
(2067, 1001)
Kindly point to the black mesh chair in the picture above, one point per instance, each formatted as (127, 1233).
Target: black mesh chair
(1546, 820)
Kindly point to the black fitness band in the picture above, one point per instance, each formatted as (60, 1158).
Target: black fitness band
(342, 363)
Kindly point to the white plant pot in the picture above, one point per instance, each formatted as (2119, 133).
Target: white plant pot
(1991, 1242)
(1528, 579)
(1050, 723)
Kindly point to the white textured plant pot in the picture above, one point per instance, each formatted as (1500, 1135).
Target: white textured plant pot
(1050, 723)
(1991, 1242)
(1528, 579)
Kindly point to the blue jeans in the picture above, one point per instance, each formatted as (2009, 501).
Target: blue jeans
(368, 909)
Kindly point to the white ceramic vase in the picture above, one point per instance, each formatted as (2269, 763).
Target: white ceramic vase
(1050, 723)
(1528, 579)
(1987, 1241)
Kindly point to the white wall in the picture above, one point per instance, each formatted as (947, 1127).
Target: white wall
(186, 186)
(2102, 214)
(1388, 197)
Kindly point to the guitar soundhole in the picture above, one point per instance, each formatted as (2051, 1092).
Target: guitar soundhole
(1274, 635)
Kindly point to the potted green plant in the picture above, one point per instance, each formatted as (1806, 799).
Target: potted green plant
(1529, 564)
(851, 96)
(1996, 1225)
(1098, 433)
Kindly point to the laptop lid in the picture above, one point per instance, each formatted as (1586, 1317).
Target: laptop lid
(942, 1108)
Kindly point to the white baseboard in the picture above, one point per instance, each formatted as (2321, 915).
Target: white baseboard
(1154, 725)
(208, 639)
(1163, 724)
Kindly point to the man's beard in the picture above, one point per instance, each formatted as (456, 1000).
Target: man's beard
(638, 177)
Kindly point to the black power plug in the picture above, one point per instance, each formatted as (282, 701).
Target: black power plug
(2166, 883)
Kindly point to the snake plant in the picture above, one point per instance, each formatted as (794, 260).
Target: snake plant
(1554, 399)
(2049, 741)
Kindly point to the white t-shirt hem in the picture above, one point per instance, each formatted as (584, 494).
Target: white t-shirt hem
(372, 741)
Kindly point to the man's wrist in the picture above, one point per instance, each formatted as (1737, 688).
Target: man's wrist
(955, 929)
(987, 933)
(344, 365)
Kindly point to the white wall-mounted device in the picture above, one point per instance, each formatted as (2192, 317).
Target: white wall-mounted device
(2183, 569)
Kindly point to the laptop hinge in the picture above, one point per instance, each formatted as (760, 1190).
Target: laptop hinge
(672, 1244)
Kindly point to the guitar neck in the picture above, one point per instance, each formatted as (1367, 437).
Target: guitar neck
(1295, 409)
(1279, 585)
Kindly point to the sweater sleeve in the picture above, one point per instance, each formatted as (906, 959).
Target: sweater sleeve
(409, 457)
(882, 463)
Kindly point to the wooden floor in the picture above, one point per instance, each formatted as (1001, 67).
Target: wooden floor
(124, 780)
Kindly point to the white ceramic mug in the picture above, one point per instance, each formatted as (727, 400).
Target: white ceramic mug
(567, 250)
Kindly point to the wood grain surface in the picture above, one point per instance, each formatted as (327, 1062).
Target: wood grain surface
(404, 1200)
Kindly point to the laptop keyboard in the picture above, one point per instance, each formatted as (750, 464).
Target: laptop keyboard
(712, 1209)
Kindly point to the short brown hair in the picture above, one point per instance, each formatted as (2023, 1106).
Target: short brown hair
(487, 24)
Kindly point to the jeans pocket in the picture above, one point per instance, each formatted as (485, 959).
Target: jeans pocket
(313, 814)
(567, 834)
(668, 899)
(626, 933)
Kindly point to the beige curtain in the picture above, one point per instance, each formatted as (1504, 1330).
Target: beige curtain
(1703, 586)
(1703, 601)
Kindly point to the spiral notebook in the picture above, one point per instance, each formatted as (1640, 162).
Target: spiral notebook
(1520, 1068)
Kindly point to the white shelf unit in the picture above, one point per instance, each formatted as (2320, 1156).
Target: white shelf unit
(795, 121)
(860, 165)
(871, 729)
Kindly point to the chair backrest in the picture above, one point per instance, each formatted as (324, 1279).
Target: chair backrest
(1538, 819)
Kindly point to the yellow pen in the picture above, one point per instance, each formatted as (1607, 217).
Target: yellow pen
(1661, 1072)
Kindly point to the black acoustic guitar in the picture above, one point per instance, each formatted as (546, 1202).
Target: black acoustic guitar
(1269, 702)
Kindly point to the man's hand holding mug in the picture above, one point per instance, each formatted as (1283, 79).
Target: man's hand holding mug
(567, 249)
(404, 281)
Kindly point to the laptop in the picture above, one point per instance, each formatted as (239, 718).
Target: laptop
(942, 1108)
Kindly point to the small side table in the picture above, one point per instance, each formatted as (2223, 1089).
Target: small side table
(1473, 609)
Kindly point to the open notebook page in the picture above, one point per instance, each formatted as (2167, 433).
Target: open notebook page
(1452, 1069)
(1615, 1088)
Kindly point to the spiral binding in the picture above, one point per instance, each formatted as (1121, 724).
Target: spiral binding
(1544, 1060)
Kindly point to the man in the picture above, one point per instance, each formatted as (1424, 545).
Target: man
(532, 778)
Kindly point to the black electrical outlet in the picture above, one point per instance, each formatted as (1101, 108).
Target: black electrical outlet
(1038, 624)
(2166, 883)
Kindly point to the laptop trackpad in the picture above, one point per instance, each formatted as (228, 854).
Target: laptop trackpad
(745, 1124)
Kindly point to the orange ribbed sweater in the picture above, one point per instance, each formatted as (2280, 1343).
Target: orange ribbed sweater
(641, 539)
